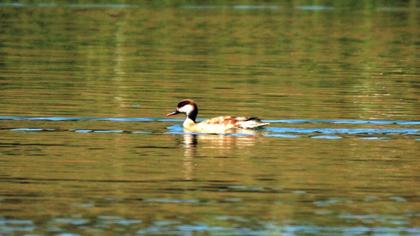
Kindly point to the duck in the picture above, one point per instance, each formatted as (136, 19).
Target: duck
(220, 124)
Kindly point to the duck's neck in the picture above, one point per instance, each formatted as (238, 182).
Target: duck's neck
(189, 122)
(193, 114)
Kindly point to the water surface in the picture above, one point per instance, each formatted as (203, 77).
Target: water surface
(85, 148)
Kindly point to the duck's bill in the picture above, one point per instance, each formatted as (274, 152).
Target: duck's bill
(172, 113)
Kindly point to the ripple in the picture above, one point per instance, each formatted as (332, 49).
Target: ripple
(118, 131)
(64, 5)
(110, 219)
(234, 7)
(255, 7)
(70, 221)
(350, 131)
(171, 200)
(315, 8)
(373, 138)
(30, 130)
(326, 137)
(82, 130)
(12, 226)
(282, 135)
(242, 225)
(109, 131)
(347, 121)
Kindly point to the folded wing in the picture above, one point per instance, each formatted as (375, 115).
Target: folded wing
(230, 122)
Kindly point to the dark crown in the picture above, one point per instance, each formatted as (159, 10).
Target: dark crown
(186, 102)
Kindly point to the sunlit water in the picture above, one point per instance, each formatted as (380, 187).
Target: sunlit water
(85, 148)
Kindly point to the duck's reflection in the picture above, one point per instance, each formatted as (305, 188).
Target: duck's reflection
(217, 145)
(220, 141)
(190, 143)
(190, 140)
(212, 145)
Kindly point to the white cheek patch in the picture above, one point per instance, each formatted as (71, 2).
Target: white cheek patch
(186, 109)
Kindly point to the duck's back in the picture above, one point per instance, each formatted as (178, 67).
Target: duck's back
(230, 122)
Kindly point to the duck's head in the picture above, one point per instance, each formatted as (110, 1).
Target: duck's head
(187, 107)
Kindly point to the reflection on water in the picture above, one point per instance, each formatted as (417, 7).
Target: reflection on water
(85, 150)
(386, 129)
(165, 180)
(347, 62)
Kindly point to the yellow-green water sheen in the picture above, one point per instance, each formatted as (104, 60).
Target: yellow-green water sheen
(86, 149)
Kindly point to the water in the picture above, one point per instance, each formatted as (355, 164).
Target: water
(86, 149)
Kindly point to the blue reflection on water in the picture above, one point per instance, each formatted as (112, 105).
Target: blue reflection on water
(326, 137)
(315, 8)
(371, 133)
(342, 130)
(230, 225)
